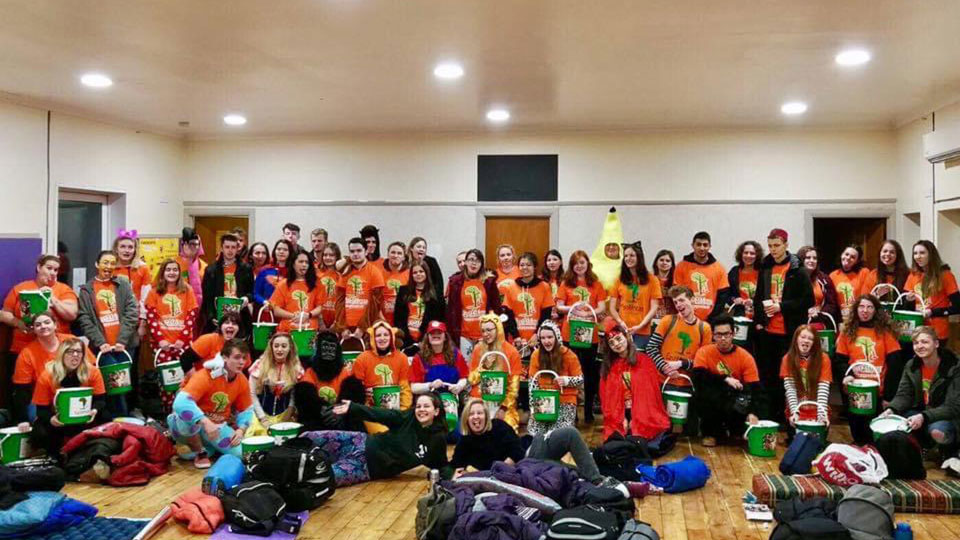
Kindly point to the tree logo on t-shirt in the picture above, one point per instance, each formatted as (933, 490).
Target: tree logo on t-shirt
(582, 294)
(474, 293)
(301, 298)
(868, 346)
(394, 284)
(748, 288)
(230, 284)
(108, 298)
(776, 287)
(846, 289)
(356, 284)
(173, 303)
(220, 401)
(723, 369)
(327, 394)
(329, 285)
(685, 340)
(384, 372)
(527, 300)
(700, 283)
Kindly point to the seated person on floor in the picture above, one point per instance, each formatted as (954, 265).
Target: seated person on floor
(272, 380)
(384, 366)
(728, 385)
(208, 346)
(507, 359)
(807, 374)
(552, 355)
(439, 366)
(206, 403)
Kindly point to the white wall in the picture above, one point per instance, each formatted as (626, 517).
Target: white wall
(23, 170)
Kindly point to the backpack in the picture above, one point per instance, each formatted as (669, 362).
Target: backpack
(300, 471)
(638, 530)
(814, 519)
(619, 456)
(846, 465)
(253, 508)
(903, 455)
(867, 512)
(436, 514)
(38, 474)
(226, 473)
(585, 523)
(798, 459)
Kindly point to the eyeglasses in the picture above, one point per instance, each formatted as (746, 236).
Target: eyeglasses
(723, 334)
(73, 352)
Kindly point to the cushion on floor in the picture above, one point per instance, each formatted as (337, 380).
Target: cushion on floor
(913, 496)
(99, 528)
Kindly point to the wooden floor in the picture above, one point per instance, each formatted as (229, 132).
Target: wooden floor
(386, 509)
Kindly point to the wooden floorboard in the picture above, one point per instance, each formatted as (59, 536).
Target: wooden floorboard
(385, 510)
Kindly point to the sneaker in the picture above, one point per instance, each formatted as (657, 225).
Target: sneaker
(709, 442)
(202, 461)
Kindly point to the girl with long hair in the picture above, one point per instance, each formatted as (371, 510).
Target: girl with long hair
(258, 257)
(417, 305)
(664, 265)
(824, 292)
(635, 297)
(470, 295)
(294, 300)
(418, 254)
(327, 277)
(531, 301)
(552, 355)
(129, 264)
(932, 281)
(891, 270)
(494, 341)
(268, 277)
(806, 374)
(849, 279)
(172, 312)
(743, 278)
(552, 271)
(438, 366)
(272, 380)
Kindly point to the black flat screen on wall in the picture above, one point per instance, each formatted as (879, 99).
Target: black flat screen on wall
(531, 177)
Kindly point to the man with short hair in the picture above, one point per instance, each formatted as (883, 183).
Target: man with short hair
(291, 233)
(230, 277)
(359, 293)
(318, 241)
(783, 296)
(241, 235)
(704, 275)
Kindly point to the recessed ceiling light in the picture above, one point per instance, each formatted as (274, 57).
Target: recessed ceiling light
(793, 108)
(96, 80)
(448, 70)
(853, 57)
(498, 115)
(234, 120)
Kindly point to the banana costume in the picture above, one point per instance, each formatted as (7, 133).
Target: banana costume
(607, 268)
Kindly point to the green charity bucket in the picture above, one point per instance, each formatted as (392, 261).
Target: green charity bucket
(14, 444)
(581, 332)
(387, 396)
(882, 425)
(281, 431)
(814, 427)
(864, 394)
(886, 304)
(544, 403)
(451, 407)
(349, 357)
(256, 444)
(306, 341)
(907, 320)
(677, 402)
(171, 374)
(34, 302)
(741, 330)
(74, 405)
(227, 303)
(762, 438)
(263, 330)
(118, 378)
(828, 336)
(493, 382)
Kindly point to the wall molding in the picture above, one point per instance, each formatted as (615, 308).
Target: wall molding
(265, 204)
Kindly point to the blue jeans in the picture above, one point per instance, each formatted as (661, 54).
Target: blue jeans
(640, 342)
(947, 428)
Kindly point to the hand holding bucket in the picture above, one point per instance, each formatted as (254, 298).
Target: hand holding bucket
(305, 339)
(677, 401)
(263, 330)
(118, 377)
(816, 426)
(908, 320)
(493, 382)
(886, 286)
(828, 337)
(864, 393)
(581, 332)
(544, 404)
(171, 374)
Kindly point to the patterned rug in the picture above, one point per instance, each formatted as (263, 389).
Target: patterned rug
(912, 496)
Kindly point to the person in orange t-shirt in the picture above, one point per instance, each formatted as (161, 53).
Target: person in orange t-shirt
(932, 281)
(892, 270)
(494, 341)
(384, 365)
(552, 355)
(294, 300)
(552, 273)
(396, 273)
(704, 275)
(470, 295)
(868, 336)
(636, 295)
(327, 278)
(359, 294)
(507, 271)
(723, 372)
(133, 269)
(743, 279)
(63, 303)
(208, 346)
(531, 301)
(807, 374)
(850, 278)
(172, 312)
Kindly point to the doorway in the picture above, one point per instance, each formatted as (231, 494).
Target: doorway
(523, 233)
(832, 235)
(82, 222)
(211, 228)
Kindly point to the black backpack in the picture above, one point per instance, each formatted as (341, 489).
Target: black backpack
(619, 456)
(300, 471)
(798, 459)
(902, 454)
(253, 508)
(40, 474)
(586, 523)
(814, 519)
(638, 530)
(436, 514)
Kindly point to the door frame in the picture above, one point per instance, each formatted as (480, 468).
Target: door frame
(890, 214)
(114, 216)
(526, 210)
(190, 214)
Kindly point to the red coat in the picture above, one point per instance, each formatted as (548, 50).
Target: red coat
(648, 414)
(146, 452)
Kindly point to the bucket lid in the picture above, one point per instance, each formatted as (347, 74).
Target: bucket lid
(286, 426)
(765, 424)
(258, 440)
(129, 420)
(908, 313)
(387, 387)
(79, 390)
(14, 430)
(811, 423)
(864, 383)
(887, 424)
(265, 324)
(677, 393)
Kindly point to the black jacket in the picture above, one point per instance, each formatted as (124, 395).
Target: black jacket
(434, 310)
(797, 293)
(944, 390)
(212, 287)
(480, 451)
(436, 276)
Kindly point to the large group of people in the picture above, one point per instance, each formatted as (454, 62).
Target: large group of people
(458, 360)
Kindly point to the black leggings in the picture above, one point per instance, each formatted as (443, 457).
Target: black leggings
(591, 377)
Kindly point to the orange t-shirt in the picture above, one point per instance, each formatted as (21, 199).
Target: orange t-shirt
(416, 311)
(105, 295)
(473, 298)
(571, 368)
(748, 278)
(737, 363)
(137, 277)
(633, 301)
(826, 375)
(326, 292)
(215, 396)
(45, 390)
(778, 276)
(208, 346)
(514, 363)
(868, 347)
(526, 303)
(705, 281)
(61, 291)
(230, 280)
(849, 286)
(506, 279)
(358, 287)
(328, 390)
(926, 379)
(684, 340)
(172, 311)
(817, 294)
(293, 298)
(568, 296)
(948, 286)
(871, 281)
(393, 369)
(392, 281)
(33, 359)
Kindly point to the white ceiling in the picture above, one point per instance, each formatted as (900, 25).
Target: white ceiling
(318, 66)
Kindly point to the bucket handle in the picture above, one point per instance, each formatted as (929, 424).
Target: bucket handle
(595, 320)
(828, 316)
(923, 305)
(873, 291)
(809, 402)
(363, 346)
(130, 358)
(855, 364)
(535, 380)
(496, 353)
(674, 376)
(259, 313)
(746, 432)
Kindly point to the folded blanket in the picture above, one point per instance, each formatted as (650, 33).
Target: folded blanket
(687, 474)
(43, 512)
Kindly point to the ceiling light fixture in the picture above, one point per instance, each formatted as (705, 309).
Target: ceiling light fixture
(498, 115)
(234, 120)
(96, 80)
(793, 108)
(448, 71)
(853, 57)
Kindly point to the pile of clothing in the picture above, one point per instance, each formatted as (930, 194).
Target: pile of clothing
(43, 512)
(118, 453)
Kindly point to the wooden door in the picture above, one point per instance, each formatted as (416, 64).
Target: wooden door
(211, 228)
(523, 233)
(832, 235)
